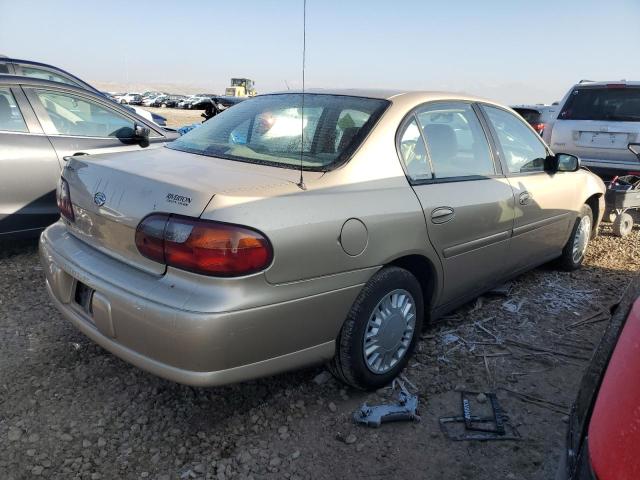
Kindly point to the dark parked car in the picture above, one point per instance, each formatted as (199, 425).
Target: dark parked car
(29, 68)
(603, 441)
(169, 101)
(538, 116)
(41, 123)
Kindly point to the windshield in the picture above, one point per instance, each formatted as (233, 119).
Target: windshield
(270, 129)
(614, 104)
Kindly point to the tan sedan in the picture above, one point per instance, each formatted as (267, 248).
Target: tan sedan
(275, 236)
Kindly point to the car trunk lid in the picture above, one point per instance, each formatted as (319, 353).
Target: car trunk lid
(112, 193)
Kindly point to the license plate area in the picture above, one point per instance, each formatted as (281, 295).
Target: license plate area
(83, 296)
(603, 140)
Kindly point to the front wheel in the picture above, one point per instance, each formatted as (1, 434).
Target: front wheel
(381, 330)
(576, 247)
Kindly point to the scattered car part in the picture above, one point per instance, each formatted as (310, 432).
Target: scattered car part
(406, 408)
(483, 427)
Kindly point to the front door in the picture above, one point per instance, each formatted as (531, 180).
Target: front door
(542, 220)
(468, 204)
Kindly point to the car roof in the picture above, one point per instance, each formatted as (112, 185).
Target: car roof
(52, 67)
(39, 82)
(397, 96)
(589, 83)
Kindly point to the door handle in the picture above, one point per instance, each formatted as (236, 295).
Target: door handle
(77, 154)
(524, 198)
(442, 214)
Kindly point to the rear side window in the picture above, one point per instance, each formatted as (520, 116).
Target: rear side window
(4, 68)
(10, 116)
(46, 75)
(414, 153)
(620, 104)
(523, 151)
(456, 143)
(76, 116)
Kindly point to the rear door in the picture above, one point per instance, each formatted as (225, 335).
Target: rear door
(542, 214)
(467, 202)
(29, 167)
(85, 124)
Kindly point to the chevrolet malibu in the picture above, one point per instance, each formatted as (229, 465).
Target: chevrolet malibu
(295, 229)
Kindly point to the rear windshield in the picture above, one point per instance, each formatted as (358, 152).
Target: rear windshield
(530, 115)
(271, 129)
(613, 104)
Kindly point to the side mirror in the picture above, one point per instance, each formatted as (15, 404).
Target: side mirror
(563, 162)
(635, 149)
(141, 132)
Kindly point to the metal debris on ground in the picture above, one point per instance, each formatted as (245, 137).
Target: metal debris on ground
(512, 306)
(503, 290)
(491, 423)
(406, 408)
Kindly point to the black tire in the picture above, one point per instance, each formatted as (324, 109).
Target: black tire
(567, 261)
(349, 364)
(623, 225)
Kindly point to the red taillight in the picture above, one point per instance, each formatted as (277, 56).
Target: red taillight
(539, 127)
(203, 246)
(63, 198)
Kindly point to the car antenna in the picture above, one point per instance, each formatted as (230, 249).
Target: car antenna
(304, 52)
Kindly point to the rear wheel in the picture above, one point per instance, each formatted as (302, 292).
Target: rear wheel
(576, 247)
(623, 225)
(381, 330)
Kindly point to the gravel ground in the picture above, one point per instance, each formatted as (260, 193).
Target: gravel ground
(69, 409)
(177, 117)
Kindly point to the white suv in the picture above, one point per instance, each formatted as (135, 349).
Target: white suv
(597, 121)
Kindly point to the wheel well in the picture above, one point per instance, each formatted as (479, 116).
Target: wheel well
(594, 203)
(422, 268)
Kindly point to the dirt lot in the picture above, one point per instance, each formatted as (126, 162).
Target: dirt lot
(69, 409)
(177, 117)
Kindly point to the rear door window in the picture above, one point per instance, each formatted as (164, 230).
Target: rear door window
(456, 143)
(76, 116)
(11, 119)
(523, 151)
(619, 103)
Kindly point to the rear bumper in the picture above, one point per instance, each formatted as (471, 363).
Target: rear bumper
(609, 168)
(156, 322)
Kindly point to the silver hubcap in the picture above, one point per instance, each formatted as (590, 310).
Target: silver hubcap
(389, 331)
(581, 240)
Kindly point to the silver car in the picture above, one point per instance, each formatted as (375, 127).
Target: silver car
(275, 236)
(41, 124)
(597, 121)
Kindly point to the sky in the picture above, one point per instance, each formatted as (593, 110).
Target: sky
(512, 51)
